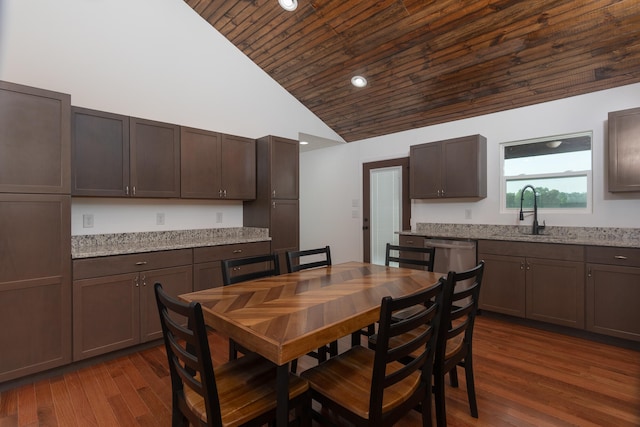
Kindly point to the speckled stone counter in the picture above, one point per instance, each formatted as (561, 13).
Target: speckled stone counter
(597, 236)
(126, 243)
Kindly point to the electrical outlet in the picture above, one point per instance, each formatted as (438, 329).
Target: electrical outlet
(87, 220)
(467, 214)
(160, 218)
(219, 217)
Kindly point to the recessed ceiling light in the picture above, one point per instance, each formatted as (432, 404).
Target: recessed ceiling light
(289, 5)
(358, 81)
(303, 142)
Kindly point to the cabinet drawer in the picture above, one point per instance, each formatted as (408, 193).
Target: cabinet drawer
(532, 250)
(237, 250)
(411, 241)
(613, 256)
(131, 263)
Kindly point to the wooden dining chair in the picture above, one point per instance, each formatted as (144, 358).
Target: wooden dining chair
(294, 263)
(243, 269)
(373, 387)
(241, 392)
(407, 257)
(456, 339)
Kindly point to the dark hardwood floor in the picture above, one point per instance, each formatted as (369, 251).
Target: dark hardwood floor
(524, 377)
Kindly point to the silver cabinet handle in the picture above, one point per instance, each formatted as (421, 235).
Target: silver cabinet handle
(220, 193)
(144, 280)
(273, 194)
(126, 190)
(133, 191)
(237, 251)
(136, 282)
(620, 257)
(141, 263)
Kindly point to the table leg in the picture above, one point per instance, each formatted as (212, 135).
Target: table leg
(282, 386)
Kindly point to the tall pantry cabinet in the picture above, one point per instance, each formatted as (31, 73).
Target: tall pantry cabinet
(276, 205)
(35, 230)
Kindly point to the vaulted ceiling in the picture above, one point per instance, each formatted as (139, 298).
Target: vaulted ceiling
(432, 61)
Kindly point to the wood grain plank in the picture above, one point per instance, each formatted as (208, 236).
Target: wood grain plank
(27, 407)
(80, 402)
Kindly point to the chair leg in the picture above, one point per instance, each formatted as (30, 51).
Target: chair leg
(322, 354)
(333, 348)
(425, 409)
(453, 377)
(438, 384)
(355, 339)
(233, 351)
(294, 365)
(471, 388)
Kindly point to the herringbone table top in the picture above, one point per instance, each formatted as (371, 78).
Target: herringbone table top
(284, 317)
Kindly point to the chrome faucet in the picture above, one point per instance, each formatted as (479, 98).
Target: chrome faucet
(535, 228)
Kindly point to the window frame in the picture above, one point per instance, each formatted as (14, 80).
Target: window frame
(586, 173)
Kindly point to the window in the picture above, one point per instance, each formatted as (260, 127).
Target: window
(559, 167)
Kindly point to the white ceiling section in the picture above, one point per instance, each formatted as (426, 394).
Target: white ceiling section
(114, 56)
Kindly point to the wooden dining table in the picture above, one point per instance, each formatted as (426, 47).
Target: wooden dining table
(285, 317)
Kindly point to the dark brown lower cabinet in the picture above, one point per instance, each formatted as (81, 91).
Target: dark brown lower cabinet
(613, 291)
(284, 228)
(113, 299)
(537, 281)
(35, 283)
(503, 285)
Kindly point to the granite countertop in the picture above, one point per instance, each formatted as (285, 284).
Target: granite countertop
(97, 245)
(596, 236)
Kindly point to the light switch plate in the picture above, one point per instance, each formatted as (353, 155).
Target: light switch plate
(87, 220)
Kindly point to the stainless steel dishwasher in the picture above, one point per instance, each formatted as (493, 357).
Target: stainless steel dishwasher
(453, 255)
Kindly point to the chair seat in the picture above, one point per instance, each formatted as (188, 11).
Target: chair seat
(246, 389)
(347, 378)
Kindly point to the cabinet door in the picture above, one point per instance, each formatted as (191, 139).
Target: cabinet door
(284, 230)
(175, 281)
(503, 285)
(612, 299)
(155, 158)
(35, 283)
(238, 167)
(200, 164)
(464, 167)
(105, 314)
(207, 275)
(285, 159)
(100, 149)
(424, 170)
(555, 291)
(624, 150)
(35, 143)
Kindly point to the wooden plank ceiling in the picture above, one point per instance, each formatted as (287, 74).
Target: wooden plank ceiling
(432, 61)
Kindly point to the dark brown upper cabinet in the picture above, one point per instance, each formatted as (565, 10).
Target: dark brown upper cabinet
(453, 168)
(217, 166)
(281, 173)
(100, 147)
(155, 158)
(624, 150)
(120, 156)
(276, 206)
(35, 140)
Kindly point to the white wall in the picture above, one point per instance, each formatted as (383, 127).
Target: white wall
(158, 59)
(155, 59)
(332, 178)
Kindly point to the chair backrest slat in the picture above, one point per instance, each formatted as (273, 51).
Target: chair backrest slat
(426, 257)
(256, 266)
(294, 259)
